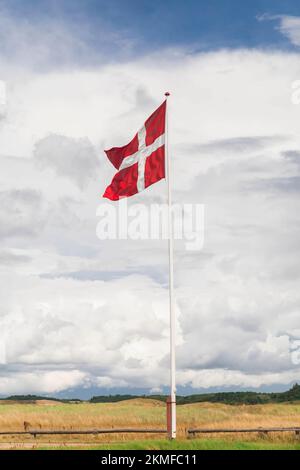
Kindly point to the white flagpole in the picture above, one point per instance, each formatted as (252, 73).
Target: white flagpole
(172, 430)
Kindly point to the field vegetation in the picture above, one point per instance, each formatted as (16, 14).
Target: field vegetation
(146, 413)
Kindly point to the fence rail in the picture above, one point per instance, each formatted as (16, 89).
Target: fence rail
(36, 432)
(192, 432)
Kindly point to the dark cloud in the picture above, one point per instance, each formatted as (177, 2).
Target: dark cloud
(8, 258)
(107, 275)
(249, 349)
(288, 184)
(243, 144)
(292, 156)
(75, 159)
(21, 213)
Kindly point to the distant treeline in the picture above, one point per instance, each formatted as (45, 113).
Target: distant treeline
(34, 398)
(230, 398)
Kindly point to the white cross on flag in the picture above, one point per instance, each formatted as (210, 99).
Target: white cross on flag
(141, 163)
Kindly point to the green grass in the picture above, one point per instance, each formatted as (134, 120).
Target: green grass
(195, 444)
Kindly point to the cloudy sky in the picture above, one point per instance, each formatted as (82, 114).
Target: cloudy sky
(80, 316)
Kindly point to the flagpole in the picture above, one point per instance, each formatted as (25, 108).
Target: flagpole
(172, 402)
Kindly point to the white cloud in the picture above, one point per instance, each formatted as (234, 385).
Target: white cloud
(289, 26)
(116, 328)
(70, 303)
(225, 378)
(39, 382)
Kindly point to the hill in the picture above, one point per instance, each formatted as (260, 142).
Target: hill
(229, 398)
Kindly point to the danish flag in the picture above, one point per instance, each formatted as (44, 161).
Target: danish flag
(141, 163)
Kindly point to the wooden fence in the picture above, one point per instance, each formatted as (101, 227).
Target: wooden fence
(42, 432)
(190, 432)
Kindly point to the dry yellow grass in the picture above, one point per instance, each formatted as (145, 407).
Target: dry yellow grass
(140, 413)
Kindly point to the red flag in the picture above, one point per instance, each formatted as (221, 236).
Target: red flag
(141, 163)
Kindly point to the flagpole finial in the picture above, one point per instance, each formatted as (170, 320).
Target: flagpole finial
(167, 94)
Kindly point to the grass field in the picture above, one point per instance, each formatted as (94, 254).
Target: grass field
(146, 413)
(197, 444)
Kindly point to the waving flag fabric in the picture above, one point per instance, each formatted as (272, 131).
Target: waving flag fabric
(141, 163)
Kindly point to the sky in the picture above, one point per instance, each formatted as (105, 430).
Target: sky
(80, 316)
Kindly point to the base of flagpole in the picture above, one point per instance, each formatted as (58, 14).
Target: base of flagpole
(171, 418)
